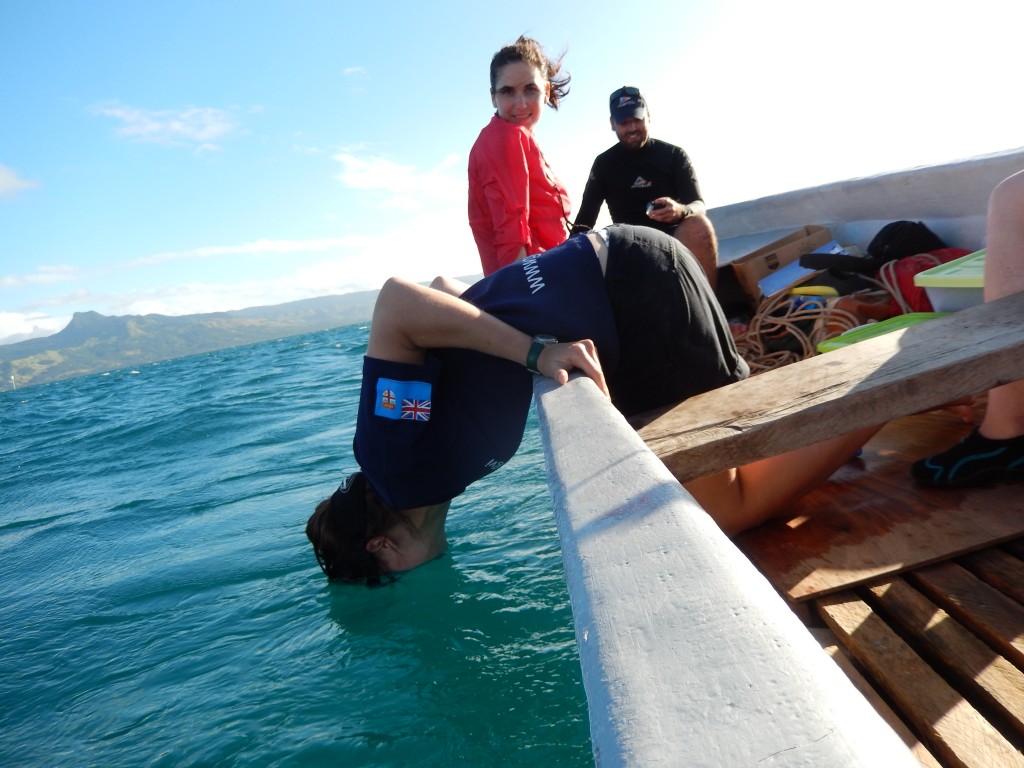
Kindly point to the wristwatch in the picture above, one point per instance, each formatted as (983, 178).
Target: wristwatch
(539, 342)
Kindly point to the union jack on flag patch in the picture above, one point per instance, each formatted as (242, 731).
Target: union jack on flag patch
(403, 400)
(416, 410)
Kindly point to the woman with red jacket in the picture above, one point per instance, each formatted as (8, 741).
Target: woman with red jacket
(517, 206)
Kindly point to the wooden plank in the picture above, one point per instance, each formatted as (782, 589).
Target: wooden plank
(955, 653)
(1015, 548)
(989, 613)
(871, 521)
(838, 653)
(954, 730)
(903, 372)
(998, 569)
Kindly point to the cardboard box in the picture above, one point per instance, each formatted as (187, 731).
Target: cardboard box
(753, 267)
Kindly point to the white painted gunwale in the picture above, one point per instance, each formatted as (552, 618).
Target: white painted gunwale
(689, 656)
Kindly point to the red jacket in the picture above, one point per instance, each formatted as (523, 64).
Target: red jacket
(514, 197)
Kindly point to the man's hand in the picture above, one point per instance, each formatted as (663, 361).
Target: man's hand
(558, 360)
(665, 210)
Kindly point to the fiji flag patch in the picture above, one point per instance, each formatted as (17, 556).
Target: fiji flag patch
(403, 400)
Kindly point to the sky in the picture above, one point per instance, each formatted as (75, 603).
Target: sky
(194, 156)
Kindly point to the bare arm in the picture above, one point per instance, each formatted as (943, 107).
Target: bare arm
(409, 319)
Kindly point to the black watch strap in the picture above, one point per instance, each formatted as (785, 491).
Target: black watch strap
(533, 356)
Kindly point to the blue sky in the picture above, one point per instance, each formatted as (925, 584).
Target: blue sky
(189, 156)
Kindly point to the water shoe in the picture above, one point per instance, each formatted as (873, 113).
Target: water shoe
(975, 460)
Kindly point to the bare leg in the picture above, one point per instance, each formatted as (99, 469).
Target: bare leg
(741, 498)
(995, 451)
(1004, 275)
(698, 234)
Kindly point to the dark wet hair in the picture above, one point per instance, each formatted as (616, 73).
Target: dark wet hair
(530, 51)
(339, 539)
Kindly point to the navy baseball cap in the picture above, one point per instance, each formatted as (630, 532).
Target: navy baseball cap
(626, 103)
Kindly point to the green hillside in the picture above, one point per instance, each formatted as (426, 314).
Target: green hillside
(94, 343)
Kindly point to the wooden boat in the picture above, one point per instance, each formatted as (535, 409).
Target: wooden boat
(697, 650)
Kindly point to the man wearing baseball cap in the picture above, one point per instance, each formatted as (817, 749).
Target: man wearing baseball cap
(648, 182)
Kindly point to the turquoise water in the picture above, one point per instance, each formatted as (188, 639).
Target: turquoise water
(160, 605)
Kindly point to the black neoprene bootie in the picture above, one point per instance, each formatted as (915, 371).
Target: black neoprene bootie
(975, 460)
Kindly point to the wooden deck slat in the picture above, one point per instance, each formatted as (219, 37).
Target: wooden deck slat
(953, 729)
(998, 569)
(838, 653)
(989, 613)
(903, 372)
(1015, 548)
(960, 655)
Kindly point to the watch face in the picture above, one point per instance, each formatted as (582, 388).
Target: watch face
(545, 339)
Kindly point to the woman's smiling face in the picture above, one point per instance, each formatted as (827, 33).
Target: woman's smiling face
(519, 93)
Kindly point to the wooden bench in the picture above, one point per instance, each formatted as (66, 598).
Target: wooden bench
(903, 372)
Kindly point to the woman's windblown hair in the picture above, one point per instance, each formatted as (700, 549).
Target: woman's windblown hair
(528, 50)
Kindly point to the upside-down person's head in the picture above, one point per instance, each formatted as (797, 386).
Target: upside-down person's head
(358, 538)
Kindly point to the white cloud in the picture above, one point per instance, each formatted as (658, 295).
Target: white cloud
(11, 183)
(198, 126)
(44, 275)
(261, 246)
(428, 236)
(406, 186)
(346, 264)
(15, 326)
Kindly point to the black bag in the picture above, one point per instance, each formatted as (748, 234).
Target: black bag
(903, 238)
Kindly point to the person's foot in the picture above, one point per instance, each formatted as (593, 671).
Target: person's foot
(975, 460)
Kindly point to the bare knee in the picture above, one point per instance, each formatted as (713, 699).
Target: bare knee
(698, 235)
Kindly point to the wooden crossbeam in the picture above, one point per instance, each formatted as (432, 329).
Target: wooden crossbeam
(910, 370)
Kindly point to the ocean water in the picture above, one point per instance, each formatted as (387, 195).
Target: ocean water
(160, 605)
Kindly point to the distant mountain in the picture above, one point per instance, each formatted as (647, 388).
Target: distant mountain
(93, 343)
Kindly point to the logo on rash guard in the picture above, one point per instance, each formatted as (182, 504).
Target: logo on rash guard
(532, 271)
(402, 400)
(494, 464)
